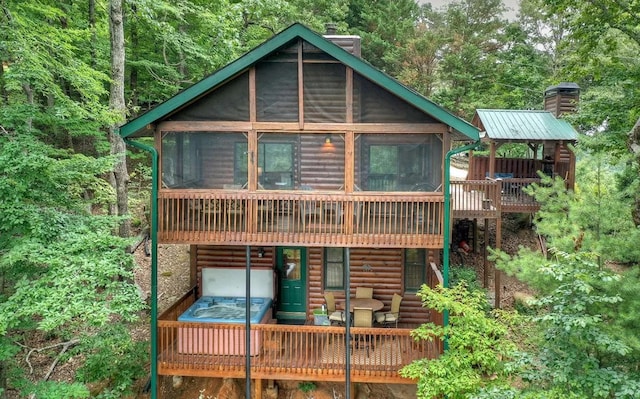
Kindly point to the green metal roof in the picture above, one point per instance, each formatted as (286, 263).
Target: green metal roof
(286, 36)
(517, 125)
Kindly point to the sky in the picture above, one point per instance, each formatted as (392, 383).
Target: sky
(513, 5)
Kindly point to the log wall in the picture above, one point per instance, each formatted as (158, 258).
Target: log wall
(385, 274)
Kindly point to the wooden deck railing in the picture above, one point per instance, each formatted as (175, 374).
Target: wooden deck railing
(489, 198)
(276, 218)
(288, 352)
(279, 351)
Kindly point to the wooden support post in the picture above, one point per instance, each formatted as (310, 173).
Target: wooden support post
(475, 236)
(485, 264)
(258, 387)
(492, 160)
(193, 266)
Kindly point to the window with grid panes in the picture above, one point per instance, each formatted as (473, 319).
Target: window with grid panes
(334, 268)
(414, 269)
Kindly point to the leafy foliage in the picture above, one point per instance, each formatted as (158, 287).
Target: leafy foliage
(65, 273)
(113, 356)
(594, 217)
(577, 353)
(382, 42)
(478, 346)
(51, 84)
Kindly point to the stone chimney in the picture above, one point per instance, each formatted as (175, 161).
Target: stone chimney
(562, 98)
(350, 43)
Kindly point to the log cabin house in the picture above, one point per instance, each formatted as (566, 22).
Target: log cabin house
(296, 170)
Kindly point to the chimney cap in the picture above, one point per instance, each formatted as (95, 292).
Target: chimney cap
(562, 87)
(330, 28)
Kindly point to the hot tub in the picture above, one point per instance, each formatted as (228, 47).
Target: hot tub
(211, 338)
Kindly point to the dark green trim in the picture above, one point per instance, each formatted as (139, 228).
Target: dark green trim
(154, 264)
(293, 32)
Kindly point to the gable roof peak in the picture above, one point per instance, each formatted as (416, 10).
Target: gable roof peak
(297, 31)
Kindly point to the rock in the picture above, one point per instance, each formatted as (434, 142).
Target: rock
(230, 390)
(271, 392)
(522, 299)
(403, 391)
(177, 381)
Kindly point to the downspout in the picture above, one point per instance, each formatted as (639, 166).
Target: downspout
(447, 221)
(154, 263)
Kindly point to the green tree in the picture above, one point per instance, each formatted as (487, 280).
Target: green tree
(51, 84)
(606, 32)
(385, 26)
(546, 32)
(594, 217)
(578, 354)
(64, 274)
(473, 31)
(422, 53)
(478, 346)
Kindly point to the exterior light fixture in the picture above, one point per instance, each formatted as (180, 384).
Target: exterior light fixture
(327, 140)
(260, 252)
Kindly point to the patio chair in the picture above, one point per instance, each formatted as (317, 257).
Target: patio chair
(335, 316)
(391, 317)
(363, 317)
(364, 292)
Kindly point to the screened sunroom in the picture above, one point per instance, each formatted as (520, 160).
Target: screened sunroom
(303, 138)
(301, 161)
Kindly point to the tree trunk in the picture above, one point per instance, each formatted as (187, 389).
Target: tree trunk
(634, 146)
(133, 70)
(120, 176)
(3, 379)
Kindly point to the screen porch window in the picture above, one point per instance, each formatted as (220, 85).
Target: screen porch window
(396, 167)
(383, 167)
(180, 160)
(414, 269)
(334, 268)
(398, 162)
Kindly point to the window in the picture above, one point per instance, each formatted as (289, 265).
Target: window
(275, 165)
(414, 269)
(397, 167)
(180, 160)
(334, 268)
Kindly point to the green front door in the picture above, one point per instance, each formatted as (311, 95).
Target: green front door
(292, 282)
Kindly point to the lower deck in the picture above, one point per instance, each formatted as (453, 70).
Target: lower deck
(287, 352)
